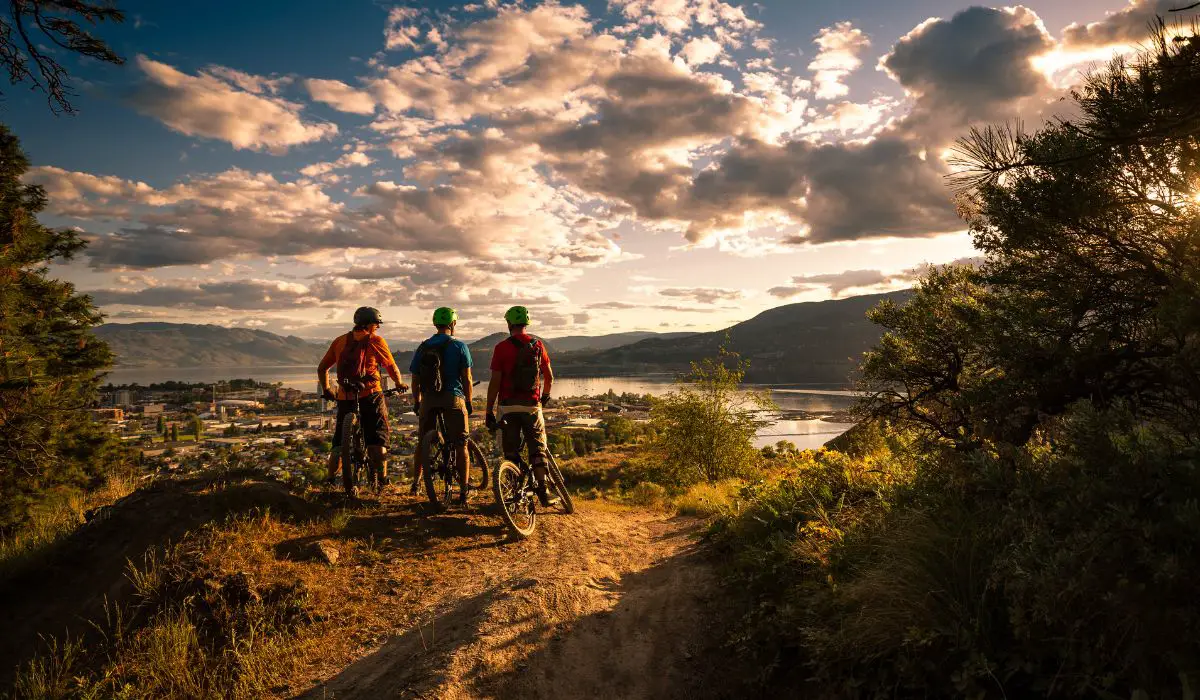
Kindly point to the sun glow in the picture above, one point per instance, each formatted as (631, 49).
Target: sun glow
(1063, 66)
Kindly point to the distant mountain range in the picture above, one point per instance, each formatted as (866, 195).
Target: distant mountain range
(192, 345)
(807, 343)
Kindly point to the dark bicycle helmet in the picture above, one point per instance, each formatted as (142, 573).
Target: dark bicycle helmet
(367, 315)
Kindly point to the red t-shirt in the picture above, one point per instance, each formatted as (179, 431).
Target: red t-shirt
(504, 360)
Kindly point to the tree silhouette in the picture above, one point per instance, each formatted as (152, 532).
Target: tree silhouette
(65, 25)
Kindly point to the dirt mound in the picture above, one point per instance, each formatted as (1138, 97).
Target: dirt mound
(61, 591)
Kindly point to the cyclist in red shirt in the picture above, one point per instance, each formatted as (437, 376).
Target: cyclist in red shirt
(520, 383)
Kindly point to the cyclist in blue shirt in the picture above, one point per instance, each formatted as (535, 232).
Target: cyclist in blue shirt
(441, 369)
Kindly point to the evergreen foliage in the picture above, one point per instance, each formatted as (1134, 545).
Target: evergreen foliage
(49, 359)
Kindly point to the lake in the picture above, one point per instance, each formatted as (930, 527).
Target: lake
(806, 434)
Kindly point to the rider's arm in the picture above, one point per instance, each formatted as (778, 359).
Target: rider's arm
(466, 384)
(547, 373)
(323, 368)
(494, 389)
(389, 362)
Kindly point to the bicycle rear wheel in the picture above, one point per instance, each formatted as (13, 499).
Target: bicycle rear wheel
(477, 477)
(514, 499)
(353, 452)
(560, 485)
(434, 458)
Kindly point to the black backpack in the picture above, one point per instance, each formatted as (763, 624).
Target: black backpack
(527, 374)
(430, 367)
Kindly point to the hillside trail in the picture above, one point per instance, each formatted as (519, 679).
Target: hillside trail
(608, 602)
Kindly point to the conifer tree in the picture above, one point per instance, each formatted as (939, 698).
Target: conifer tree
(49, 358)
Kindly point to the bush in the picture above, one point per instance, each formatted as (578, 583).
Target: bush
(647, 494)
(704, 430)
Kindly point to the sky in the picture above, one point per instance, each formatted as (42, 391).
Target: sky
(614, 166)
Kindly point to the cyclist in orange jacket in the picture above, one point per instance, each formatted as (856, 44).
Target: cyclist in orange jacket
(373, 408)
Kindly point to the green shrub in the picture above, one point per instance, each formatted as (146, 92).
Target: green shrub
(704, 430)
(648, 494)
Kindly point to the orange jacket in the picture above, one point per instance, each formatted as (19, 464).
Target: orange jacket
(378, 355)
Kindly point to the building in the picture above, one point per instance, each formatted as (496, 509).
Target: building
(152, 409)
(114, 415)
(122, 398)
(237, 403)
(285, 394)
(227, 442)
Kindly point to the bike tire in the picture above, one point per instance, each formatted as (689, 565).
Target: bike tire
(351, 437)
(433, 457)
(514, 500)
(560, 485)
(479, 466)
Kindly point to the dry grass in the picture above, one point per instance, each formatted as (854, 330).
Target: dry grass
(57, 519)
(706, 500)
(224, 613)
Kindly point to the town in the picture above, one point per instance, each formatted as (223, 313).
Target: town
(178, 427)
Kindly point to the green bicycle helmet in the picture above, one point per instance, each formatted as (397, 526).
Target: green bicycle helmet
(444, 316)
(517, 316)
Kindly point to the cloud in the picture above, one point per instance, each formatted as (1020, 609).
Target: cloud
(348, 160)
(701, 50)
(1130, 24)
(677, 16)
(401, 31)
(239, 295)
(340, 96)
(859, 280)
(839, 54)
(840, 192)
(703, 295)
(851, 118)
(211, 107)
(977, 65)
(627, 306)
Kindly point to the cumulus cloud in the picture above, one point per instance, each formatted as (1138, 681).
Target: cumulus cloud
(340, 96)
(840, 192)
(839, 54)
(209, 106)
(347, 160)
(677, 16)
(1127, 25)
(977, 65)
(701, 50)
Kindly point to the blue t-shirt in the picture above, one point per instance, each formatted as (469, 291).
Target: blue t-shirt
(456, 356)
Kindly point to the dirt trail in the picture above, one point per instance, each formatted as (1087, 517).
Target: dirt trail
(609, 602)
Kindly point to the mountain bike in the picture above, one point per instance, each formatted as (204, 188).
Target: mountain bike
(513, 488)
(354, 451)
(440, 463)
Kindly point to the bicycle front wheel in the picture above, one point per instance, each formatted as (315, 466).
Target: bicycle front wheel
(477, 477)
(353, 452)
(560, 485)
(434, 458)
(515, 499)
